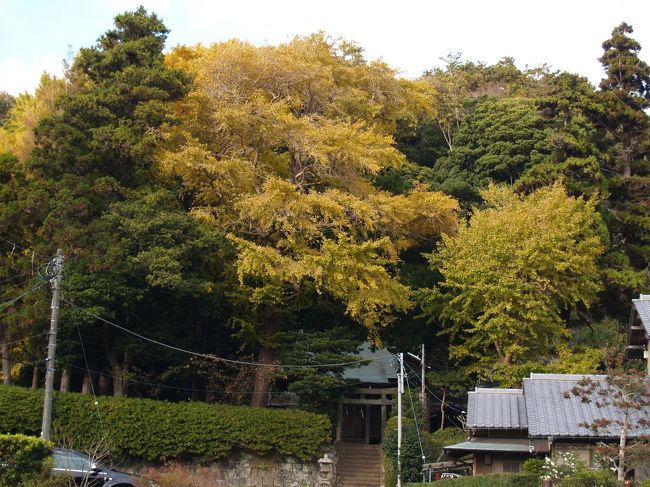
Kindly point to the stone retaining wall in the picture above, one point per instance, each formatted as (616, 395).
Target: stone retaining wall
(240, 470)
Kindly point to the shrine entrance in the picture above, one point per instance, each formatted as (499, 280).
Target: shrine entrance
(362, 414)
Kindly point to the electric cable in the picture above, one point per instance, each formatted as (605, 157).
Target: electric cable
(221, 359)
(6, 304)
(26, 273)
(415, 418)
(92, 387)
(43, 333)
(15, 245)
(192, 389)
(431, 392)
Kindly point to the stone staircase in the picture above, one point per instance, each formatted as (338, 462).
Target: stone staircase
(358, 465)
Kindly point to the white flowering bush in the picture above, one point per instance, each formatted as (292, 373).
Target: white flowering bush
(564, 465)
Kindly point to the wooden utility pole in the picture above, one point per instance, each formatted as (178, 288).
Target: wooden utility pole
(51, 347)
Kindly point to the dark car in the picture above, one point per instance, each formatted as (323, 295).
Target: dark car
(85, 472)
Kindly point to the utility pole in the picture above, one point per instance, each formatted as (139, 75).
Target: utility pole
(400, 391)
(423, 388)
(51, 347)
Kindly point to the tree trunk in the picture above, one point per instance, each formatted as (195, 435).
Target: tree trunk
(36, 377)
(65, 380)
(199, 346)
(621, 450)
(103, 385)
(6, 364)
(119, 370)
(626, 159)
(442, 409)
(87, 386)
(262, 384)
(4, 353)
(263, 375)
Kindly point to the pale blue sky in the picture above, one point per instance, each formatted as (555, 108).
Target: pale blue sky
(411, 35)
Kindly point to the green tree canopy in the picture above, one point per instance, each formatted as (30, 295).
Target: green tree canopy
(513, 271)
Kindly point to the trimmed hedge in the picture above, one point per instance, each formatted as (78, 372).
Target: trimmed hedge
(23, 457)
(157, 430)
(498, 480)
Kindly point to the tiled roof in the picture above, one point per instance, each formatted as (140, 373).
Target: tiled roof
(542, 408)
(551, 414)
(496, 409)
(642, 307)
(511, 445)
(378, 370)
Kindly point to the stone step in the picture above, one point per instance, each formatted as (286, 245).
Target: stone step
(358, 465)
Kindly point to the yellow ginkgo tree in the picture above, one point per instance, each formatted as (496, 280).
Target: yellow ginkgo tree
(279, 146)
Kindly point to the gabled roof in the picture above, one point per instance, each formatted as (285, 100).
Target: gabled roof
(496, 409)
(377, 370)
(551, 414)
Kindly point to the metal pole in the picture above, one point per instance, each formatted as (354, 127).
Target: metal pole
(51, 347)
(400, 391)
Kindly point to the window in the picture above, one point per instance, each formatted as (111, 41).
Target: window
(511, 467)
(68, 460)
(487, 459)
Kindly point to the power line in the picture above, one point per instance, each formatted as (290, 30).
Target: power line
(43, 333)
(221, 359)
(15, 245)
(165, 386)
(431, 392)
(92, 387)
(6, 304)
(17, 276)
(415, 418)
(191, 389)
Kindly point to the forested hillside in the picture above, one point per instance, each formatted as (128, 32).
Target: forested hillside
(226, 206)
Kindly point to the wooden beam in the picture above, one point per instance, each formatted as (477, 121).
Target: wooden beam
(371, 402)
(374, 392)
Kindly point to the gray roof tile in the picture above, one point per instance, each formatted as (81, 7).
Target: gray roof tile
(551, 414)
(496, 409)
(642, 307)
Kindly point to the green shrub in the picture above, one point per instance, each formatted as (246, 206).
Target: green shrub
(499, 480)
(535, 466)
(445, 437)
(411, 452)
(156, 430)
(23, 457)
(590, 478)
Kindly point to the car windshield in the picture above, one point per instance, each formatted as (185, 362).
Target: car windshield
(71, 460)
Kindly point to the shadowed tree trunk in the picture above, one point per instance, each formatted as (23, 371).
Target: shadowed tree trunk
(103, 385)
(119, 369)
(86, 385)
(65, 380)
(266, 355)
(36, 377)
(4, 354)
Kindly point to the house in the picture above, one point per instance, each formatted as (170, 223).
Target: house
(638, 336)
(508, 426)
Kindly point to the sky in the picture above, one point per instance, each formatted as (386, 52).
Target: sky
(410, 35)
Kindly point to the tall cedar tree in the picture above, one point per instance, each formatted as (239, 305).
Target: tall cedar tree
(95, 150)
